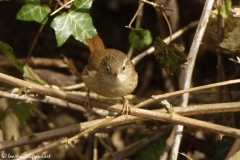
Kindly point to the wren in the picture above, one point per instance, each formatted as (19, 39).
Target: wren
(109, 72)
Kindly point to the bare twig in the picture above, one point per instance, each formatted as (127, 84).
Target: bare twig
(41, 149)
(175, 35)
(36, 61)
(73, 87)
(74, 129)
(34, 42)
(60, 8)
(162, 8)
(175, 118)
(189, 70)
(134, 17)
(46, 99)
(137, 25)
(234, 149)
(220, 65)
(168, 145)
(98, 125)
(34, 88)
(135, 147)
(224, 83)
(169, 27)
(95, 148)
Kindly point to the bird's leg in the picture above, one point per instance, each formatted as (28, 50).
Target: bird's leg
(87, 99)
(126, 107)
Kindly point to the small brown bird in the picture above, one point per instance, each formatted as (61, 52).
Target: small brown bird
(109, 73)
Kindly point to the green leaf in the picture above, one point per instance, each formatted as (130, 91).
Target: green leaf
(34, 11)
(8, 52)
(21, 110)
(223, 11)
(222, 148)
(228, 4)
(140, 38)
(76, 22)
(225, 7)
(139, 32)
(170, 56)
(30, 76)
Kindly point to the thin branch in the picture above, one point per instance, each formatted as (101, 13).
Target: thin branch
(134, 17)
(77, 128)
(234, 149)
(36, 62)
(136, 146)
(168, 145)
(155, 5)
(73, 87)
(162, 8)
(46, 99)
(38, 89)
(34, 42)
(91, 128)
(172, 118)
(60, 8)
(224, 83)
(41, 149)
(189, 70)
(175, 35)
(139, 14)
(169, 27)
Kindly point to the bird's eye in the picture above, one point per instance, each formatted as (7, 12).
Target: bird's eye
(124, 68)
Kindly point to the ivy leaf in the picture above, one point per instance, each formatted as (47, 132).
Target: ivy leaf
(140, 38)
(21, 110)
(7, 51)
(30, 76)
(34, 11)
(170, 56)
(138, 32)
(76, 22)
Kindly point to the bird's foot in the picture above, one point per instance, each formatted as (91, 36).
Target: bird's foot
(87, 99)
(126, 107)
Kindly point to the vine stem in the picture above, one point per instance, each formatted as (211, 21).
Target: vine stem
(138, 17)
(162, 8)
(60, 8)
(189, 70)
(34, 42)
(134, 17)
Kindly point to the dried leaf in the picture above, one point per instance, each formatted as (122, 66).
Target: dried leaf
(231, 40)
(236, 12)
(170, 56)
